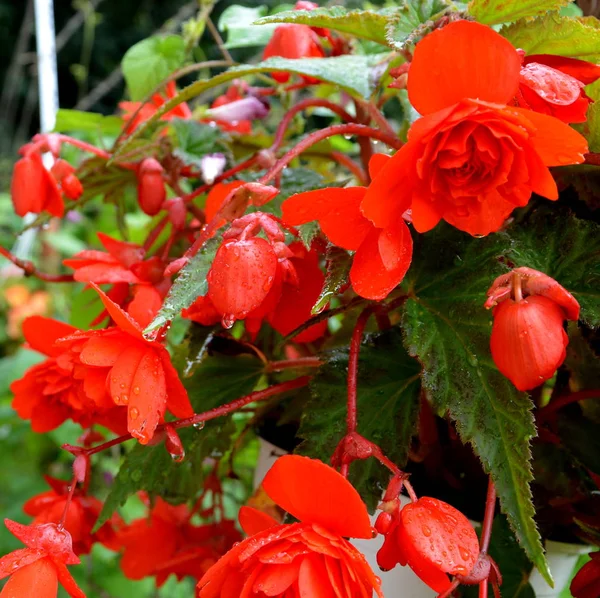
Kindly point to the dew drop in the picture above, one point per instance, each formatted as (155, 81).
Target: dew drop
(228, 321)
(134, 413)
(465, 554)
(124, 399)
(122, 385)
(136, 390)
(426, 530)
(199, 425)
(178, 458)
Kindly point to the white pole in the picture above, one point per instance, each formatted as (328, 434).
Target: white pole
(48, 99)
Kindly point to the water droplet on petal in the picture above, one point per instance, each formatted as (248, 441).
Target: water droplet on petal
(178, 458)
(465, 554)
(426, 530)
(136, 390)
(134, 413)
(124, 399)
(228, 321)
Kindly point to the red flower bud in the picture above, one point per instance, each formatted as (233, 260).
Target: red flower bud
(240, 277)
(173, 444)
(528, 341)
(434, 539)
(151, 186)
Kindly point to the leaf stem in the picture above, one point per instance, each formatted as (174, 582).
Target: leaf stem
(300, 362)
(488, 518)
(30, 270)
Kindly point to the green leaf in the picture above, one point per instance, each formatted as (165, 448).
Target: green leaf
(352, 73)
(388, 407)
(493, 12)
(149, 62)
(339, 263)
(308, 232)
(412, 18)
(239, 23)
(214, 381)
(592, 127)
(366, 24)
(554, 34)
(189, 285)
(566, 248)
(68, 121)
(448, 330)
(194, 140)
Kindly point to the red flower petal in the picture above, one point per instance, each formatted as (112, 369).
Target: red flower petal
(556, 142)
(39, 580)
(583, 71)
(178, 402)
(145, 304)
(103, 351)
(337, 210)
(17, 559)
(67, 582)
(424, 215)
(462, 60)
(28, 184)
(376, 163)
(127, 254)
(254, 521)
(41, 334)
(120, 317)
(369, 275)
(216, 197)
(315, 493)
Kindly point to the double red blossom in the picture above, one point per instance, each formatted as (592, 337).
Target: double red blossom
(528, 341)
(38, 569)
(167, 543)
(81, 515)
(554, 85)
(472, 158)
(58, 388)
(383, 255)
(586, 584)
(310, 558)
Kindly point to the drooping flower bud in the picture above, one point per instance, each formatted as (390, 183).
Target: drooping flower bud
(151, 186)
(173, 444)
(528, 341)
(240, 277)
(248, 108)
(434, 539)
(64, 174)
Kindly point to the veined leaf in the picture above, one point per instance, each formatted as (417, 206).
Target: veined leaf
(448, 330)
(194, 140)
(555, 34)
(366, 24)
(339, 263)
(388, 408)
(189, 285)
(68, 121)
(493, 12)
(352, 73)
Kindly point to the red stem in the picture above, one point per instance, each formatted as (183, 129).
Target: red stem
(308, 103)
(72, 488)
(86, 147)
(155, 233)
(30, 270)
(259, 395)
(310, 140)
(300, 362)
(593, 159)
(565, 400)
(447, 593)
(488, 518)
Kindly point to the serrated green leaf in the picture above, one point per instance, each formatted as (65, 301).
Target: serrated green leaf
(352, 73)
(189, 285)
(593, 126)
(366, 24)
(494, 12)
(566, 248)
(239, 24)
(412, 17)
(388, 407)
(151, 61)
(68, 121)
(215, 381)
(555, 34)
(308, 232)
(338, 267)
(448, 330)
(194, 140)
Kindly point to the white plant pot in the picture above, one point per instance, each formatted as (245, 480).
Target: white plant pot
(562, 558)
(400, 582)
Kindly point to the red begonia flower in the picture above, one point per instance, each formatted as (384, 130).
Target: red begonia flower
(471, 159)
(82, 514)
(167, 543)
(586, 584)
(528, 341)
(310, 558)
(64, 174)
(293, 41)
(151, 186)
(434, 539)
(150, 108)
(56, 390)
(38, 569)
(216, 196)
(383, 255)
(554, 85)
(241, 276)
(137, 372)
(33, 189)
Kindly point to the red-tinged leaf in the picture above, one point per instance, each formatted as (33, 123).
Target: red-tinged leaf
(41, 334)
(121, 318)
(38, 579)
